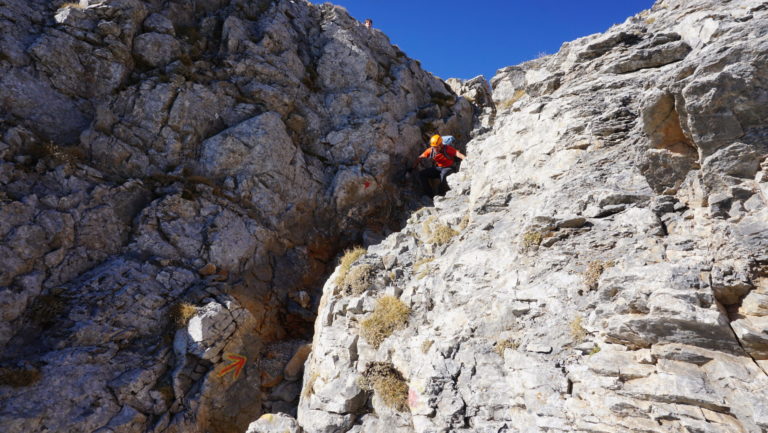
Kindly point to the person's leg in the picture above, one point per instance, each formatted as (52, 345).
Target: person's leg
(444, 172)
(424, 176)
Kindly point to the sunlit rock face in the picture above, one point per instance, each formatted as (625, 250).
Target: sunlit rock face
(600, 263)
(175, 179)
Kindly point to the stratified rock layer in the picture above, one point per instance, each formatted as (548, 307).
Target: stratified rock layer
(600, 263)
(175, 179)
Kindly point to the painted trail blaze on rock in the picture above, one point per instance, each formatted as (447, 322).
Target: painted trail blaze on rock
(235, 366)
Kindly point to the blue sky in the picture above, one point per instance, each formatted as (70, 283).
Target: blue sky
(460, 38)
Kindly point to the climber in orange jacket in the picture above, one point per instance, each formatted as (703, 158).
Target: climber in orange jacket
(443, 156)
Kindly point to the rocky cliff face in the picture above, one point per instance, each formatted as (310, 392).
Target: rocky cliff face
(600, 264)
(175, 179)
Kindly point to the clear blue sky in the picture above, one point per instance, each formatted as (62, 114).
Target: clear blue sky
(465, 38)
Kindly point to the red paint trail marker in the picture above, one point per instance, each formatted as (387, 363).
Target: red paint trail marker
(367, 184)
(237, 364)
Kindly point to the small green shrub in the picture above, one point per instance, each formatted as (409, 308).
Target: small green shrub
(577, 330)
(181, 312)
(595, 349)
(384, 379)
(389, 315)
(349, 257)
(506, 104)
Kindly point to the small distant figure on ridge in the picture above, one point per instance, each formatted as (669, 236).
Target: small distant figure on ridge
(443, 155)
(368, 23)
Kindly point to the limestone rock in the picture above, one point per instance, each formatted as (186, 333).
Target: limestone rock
(274, 423)
(156, 49)
(609, 270)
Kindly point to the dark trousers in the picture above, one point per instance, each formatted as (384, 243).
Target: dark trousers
(434, 173)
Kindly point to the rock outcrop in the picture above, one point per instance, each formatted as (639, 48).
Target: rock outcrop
(176, 177)
(600, 264)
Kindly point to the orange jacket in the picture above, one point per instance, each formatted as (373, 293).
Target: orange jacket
(443, 158)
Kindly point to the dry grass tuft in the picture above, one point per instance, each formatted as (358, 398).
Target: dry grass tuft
(349, 257)
(309, 388)
(532, 239)
(384, 379)
(46, 308)
(420, 267)
(19, 377)
(593, 272)
(437, 233)
(389, 315)
(426, 226)
(181, 312)
(358, 280)
(56, 154)
(577, 330)
(73, 5)
(502, 345)
(442, 234)
(426, 345)
(464, 223)
(506, 104)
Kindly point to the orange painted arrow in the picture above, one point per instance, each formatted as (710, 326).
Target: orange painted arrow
(237, 364)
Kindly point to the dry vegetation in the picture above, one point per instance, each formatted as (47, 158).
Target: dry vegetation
(73, 5)
(506, 104)
(19, 377)
(58, 154)
(426, 345)
(531, 239)
(358, 280)
(349, 257)
(384, 379)
(593, 272)
(442, 234)
(503, 345)
(182, 312)
(464, 222)
(421, 269)
(437, 233)
(309, 388)
(577, 330)
(389, 315)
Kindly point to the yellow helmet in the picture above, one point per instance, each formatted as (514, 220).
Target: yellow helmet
(436, 140)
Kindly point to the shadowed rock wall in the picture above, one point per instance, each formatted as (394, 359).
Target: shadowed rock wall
(175, 179)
